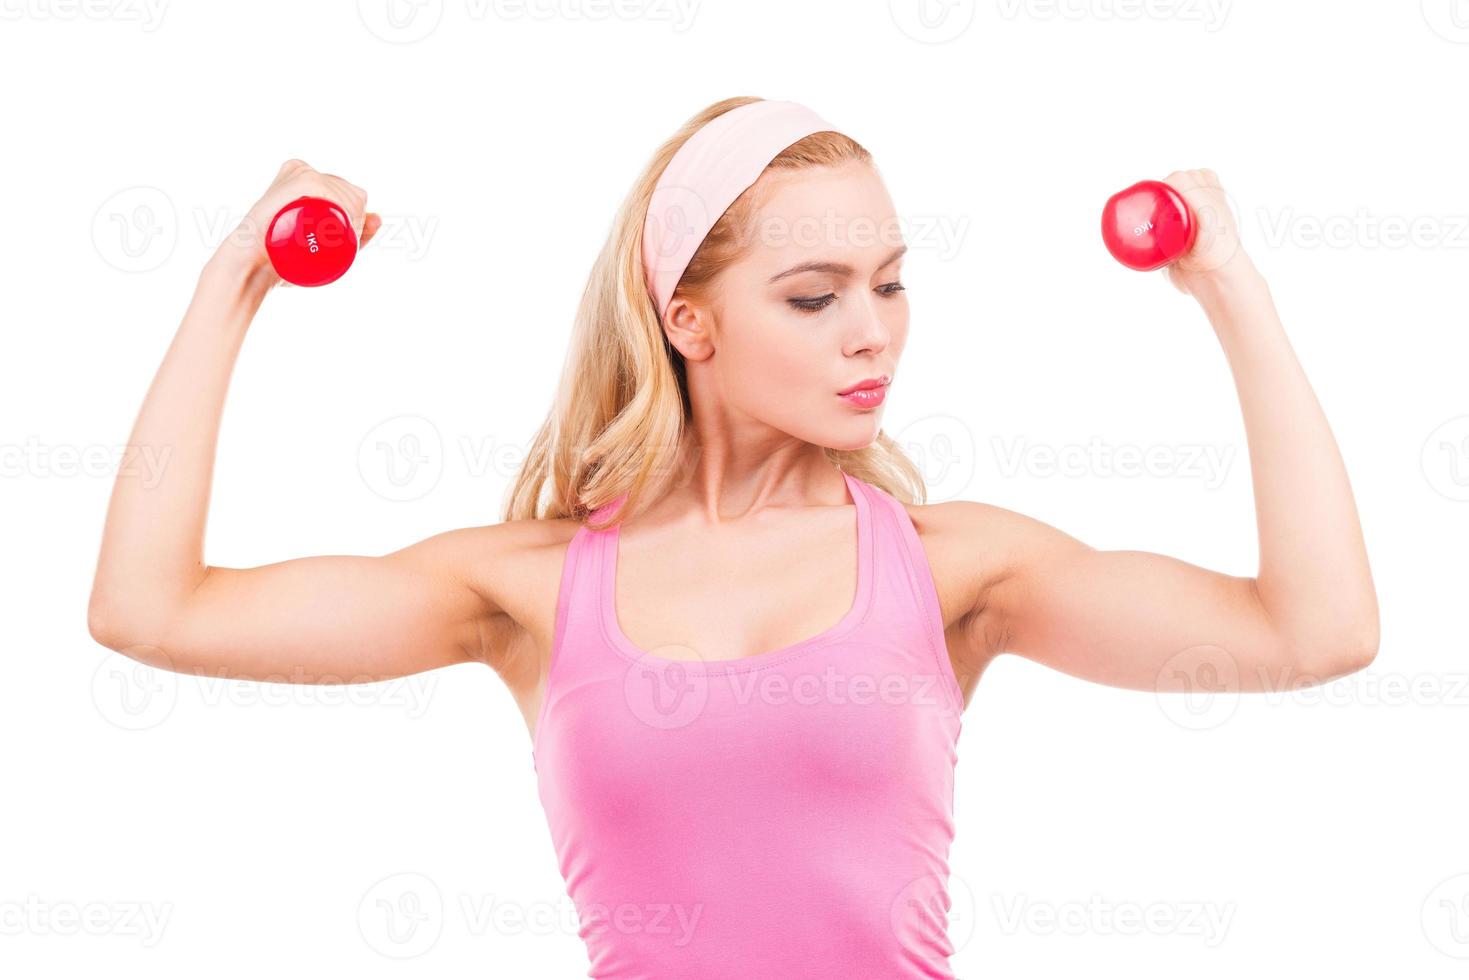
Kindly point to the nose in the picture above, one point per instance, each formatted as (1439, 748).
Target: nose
(869, 332)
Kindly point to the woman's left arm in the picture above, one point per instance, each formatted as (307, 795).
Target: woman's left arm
(1123, 617)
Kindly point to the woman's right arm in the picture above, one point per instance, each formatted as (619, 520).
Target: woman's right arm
(327, 619)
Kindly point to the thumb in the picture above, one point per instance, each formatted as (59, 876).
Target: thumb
(370, 225)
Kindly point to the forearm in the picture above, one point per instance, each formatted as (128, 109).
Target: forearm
(152, 543)
(1314, 580)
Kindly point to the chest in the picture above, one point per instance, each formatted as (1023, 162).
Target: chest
(733, 594)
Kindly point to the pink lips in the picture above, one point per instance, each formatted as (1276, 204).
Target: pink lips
(867, 394)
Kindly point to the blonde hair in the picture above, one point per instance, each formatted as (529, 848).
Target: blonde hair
(618, 422)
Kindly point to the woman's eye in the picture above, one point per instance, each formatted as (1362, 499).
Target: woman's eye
(813, 304)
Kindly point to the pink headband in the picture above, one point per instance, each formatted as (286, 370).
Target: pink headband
(723, 158)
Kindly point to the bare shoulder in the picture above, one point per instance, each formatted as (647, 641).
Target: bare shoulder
(973, 548)
(514, 567)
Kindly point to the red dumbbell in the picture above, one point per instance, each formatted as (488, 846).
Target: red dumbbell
(311, 242)
(1148, 225)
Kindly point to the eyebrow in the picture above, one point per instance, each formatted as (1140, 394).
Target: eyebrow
(836, 268)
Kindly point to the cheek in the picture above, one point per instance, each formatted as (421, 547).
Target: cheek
(777, 354)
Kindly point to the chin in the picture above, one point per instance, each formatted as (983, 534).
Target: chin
(847, 442)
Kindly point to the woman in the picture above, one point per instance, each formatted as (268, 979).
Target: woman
(740, 642)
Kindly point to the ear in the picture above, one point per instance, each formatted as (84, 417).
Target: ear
(689, 329)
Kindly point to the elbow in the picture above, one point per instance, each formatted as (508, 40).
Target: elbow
(1344, 654)
(103, 624)
(132, 626)
(116, 623)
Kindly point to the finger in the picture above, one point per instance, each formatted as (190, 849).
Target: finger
(349, 199)
(370, 226)
(354, 194)
(1181, 180)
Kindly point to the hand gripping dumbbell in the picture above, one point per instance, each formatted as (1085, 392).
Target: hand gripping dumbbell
(1148, 225)
(311, 242)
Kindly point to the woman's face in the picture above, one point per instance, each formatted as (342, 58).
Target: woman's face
(814, 306)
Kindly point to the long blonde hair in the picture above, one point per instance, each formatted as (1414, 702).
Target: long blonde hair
(618, 421)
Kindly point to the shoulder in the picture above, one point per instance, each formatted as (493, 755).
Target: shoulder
(514, 570)
(974, 548)
(508, 561)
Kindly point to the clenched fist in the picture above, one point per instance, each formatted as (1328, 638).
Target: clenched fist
(244, 249)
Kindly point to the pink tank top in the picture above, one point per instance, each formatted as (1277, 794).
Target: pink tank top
(787, 814)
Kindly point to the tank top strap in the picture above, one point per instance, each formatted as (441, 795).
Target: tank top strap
(577, 632)
(904, 591)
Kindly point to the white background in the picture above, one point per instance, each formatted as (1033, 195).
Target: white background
(270, 829)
